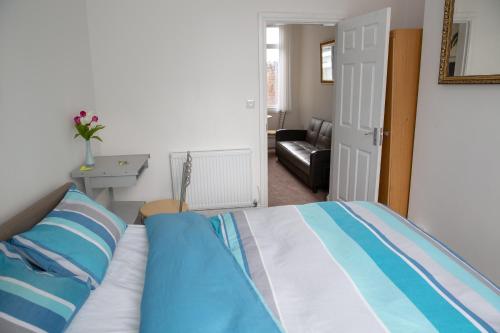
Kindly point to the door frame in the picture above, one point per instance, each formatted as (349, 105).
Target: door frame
(266, 19)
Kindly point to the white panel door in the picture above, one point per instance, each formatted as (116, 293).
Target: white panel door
(361, 71)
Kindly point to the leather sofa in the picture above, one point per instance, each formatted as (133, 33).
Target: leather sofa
(306, 153)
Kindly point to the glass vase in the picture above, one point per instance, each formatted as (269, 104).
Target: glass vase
(89, 157)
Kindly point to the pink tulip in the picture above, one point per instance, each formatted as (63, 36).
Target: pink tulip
(95, 119)
(77, 120)
(83, 113)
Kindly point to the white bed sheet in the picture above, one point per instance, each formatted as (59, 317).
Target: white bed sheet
(115, 305)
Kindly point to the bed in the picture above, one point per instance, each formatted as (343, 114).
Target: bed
(323, 267)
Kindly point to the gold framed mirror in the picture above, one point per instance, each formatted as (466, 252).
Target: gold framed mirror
(327, 51)
(470, 46)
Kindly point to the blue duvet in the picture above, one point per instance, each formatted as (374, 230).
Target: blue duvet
(194, 284)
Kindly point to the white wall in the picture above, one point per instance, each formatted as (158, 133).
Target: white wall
(310, 98)
(45, 78)
(171, 76)
(484, 45)
(455, 187)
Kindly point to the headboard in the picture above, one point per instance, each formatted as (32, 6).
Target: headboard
(26, 219)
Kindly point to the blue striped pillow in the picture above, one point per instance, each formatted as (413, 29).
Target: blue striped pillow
(78, 238)
(35, 301)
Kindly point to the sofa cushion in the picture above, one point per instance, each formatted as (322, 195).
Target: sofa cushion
(304, 145)
(298, 153)
(313, 130)
(325, 136)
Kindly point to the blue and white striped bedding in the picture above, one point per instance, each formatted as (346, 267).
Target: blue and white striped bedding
(356, 267)
(35, 301)
(193, 283)
(78, 238)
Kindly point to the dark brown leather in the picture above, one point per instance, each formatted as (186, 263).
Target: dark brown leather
(308, 161)
(290, 135)
(325, 136)
(313, 130)
(26, 219)
(300, 150)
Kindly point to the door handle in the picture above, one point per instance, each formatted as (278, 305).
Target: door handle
(376, 135)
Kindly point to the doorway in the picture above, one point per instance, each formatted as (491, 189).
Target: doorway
(270, 114)
(300, 88)
(359, 106)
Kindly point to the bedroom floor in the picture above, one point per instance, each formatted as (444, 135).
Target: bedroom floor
(285, 188)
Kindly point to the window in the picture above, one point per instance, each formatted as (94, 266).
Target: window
(327, 51)
(272, 62)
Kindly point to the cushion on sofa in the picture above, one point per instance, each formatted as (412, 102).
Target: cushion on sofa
(297, 152)
(325, 136)
(78, 238)
(313, 130)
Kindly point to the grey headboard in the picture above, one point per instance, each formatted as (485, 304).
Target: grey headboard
(26, 219)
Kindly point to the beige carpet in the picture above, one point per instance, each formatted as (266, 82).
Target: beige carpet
(286, 189)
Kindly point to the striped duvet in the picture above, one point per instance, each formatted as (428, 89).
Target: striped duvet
(357, 267)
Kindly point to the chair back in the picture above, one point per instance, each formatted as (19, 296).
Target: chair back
(186, 179)
(281, 119)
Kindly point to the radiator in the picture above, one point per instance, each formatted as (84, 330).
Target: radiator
(219, 178)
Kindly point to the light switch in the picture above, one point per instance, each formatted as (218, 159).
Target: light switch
(250, 103)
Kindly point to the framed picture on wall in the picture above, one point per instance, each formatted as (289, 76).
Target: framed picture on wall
(326, 57)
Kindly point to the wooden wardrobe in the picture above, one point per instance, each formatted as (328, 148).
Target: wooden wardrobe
(399, 120)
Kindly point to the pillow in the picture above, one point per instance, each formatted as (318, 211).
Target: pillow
(78, 238)
(34, 301)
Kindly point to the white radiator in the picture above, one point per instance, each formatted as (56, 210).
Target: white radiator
(219, 178)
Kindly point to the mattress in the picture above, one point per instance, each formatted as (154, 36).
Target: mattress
(115, 305)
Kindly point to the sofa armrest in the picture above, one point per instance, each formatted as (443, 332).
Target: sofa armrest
(320, 168)
(290, 135)
(320, 156)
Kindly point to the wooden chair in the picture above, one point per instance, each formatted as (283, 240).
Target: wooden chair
(171, 206)
(281, 123)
